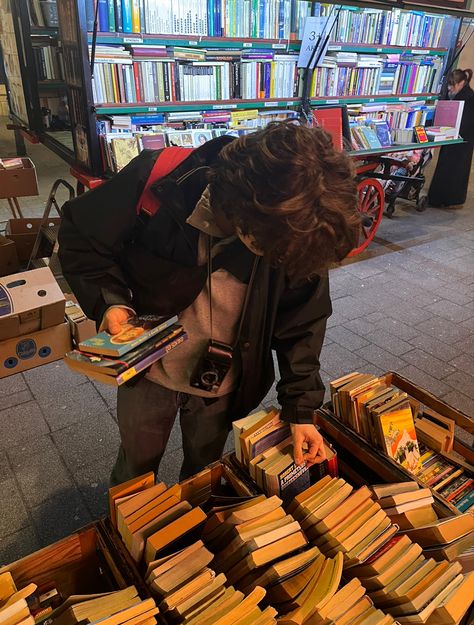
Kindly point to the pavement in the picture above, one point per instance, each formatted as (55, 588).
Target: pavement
(405, 305)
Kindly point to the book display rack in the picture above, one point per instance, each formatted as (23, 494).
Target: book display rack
(214, 66)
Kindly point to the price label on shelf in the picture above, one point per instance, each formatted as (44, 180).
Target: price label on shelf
(332, 101)
(133, 39)
(371, 100)
(247, 44)
(407, 99)
(217, 107)
(334, 48)
(151, 109)
(419, 51)
(270, 104)
(278, 46)
(193, 43)
(379, 49)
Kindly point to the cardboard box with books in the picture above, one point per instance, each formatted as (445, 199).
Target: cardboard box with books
(388, 429)
(264, 450)
(85, 575)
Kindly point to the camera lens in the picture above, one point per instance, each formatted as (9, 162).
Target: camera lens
(209, 378)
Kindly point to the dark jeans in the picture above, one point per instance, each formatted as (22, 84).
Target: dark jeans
(146, 413)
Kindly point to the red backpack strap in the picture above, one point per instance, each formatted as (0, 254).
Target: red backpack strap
(166, 162)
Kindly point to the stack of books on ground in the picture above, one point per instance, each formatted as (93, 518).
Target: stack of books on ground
(454, 482)
(115, 359)
(263, 445)
(153, 520)
(407, 505)
(381, 413)
(338, 519)
(189, 591)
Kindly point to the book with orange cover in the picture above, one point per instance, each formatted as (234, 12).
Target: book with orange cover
(412, 519)
(456, 604)
(135, 485)
(133, 503)
(179, 573)
(443, 531)
(398, 435)
(317, 594)
(167, 512)
(178, 530)
(267, 554)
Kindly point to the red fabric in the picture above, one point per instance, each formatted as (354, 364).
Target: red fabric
(167, 161)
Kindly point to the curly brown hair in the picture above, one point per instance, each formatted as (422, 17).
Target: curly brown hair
(292, 192)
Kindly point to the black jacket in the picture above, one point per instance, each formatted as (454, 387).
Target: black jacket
(110, 256)
(450, 180)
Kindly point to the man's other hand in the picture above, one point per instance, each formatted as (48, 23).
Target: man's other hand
(114, 318)
(308, 447)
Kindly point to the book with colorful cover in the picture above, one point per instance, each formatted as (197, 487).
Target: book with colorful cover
(399, 436)
(135, 331)
(138, 367)
(85, 363)
(383, 132)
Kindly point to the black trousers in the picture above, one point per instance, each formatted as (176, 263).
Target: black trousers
(146, 413)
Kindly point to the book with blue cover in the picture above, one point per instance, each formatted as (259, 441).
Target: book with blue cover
(117, 371)
(135, 331)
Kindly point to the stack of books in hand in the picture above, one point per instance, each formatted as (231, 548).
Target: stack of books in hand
(116, 358)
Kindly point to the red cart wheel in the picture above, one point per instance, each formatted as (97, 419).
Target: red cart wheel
(371, 199)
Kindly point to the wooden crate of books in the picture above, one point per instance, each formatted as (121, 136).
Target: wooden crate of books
(88, 561)
(363, 462)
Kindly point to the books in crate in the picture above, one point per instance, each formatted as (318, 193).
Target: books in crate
(115, 359)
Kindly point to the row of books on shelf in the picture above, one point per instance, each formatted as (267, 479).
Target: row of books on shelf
(272, 19)
(395, 27)
(161, 74)
(202, 561)
(371, 127)
(120, 146)
(349, 74)
(48, 63)
(393, 422)
(269, 19)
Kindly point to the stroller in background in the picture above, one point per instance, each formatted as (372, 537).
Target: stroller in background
(402, 177)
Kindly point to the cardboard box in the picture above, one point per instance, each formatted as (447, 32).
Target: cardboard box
(19, 182)
(29, 301)
(82, 328)
(24, 232)
(8, 257)
(34, 349)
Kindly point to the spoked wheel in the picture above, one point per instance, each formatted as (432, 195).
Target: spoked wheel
(370, 197)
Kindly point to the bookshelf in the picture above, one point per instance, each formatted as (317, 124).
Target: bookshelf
(163, 56)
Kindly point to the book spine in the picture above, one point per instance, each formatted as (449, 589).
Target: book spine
(127, 16)
(149, 360)
(111, 15)
(103, 14)
(118, 16)
(90, 15)
(135, 16)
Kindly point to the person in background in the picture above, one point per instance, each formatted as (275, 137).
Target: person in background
(260, 218)
(451, 176)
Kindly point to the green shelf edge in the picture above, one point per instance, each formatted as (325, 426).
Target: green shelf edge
(261, 104)
(259, 44)
(405, 147)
